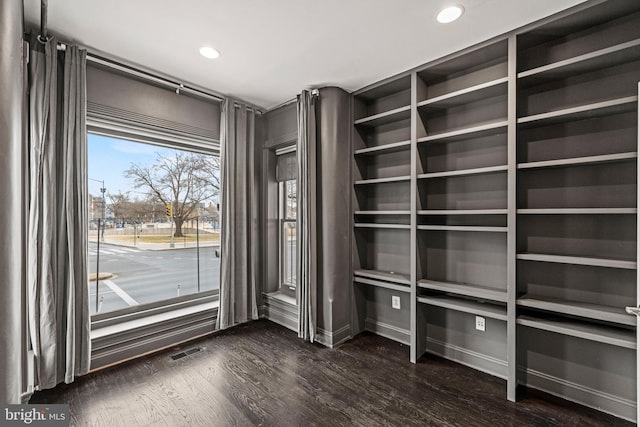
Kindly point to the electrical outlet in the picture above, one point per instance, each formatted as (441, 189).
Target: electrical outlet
(480, 323)
(395, 302)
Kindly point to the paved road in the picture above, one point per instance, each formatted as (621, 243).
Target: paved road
(143, 276)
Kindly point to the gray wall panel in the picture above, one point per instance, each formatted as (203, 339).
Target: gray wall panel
(281, 126)
(151, 104)
(334, 209)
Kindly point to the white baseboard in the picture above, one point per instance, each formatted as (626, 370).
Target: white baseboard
(388, 331)
(470, 358)
(605, 402)
(282, 312)
(333, 339)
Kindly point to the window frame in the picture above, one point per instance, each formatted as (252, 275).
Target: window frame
(283, 220)
(167, 305)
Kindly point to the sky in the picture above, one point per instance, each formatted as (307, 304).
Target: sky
(108, 158)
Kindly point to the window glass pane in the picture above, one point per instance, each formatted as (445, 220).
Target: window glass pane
(153, 223)
(288, 254)
(291, 199)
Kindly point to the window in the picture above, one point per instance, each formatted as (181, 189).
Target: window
(154, 230)
(288, 213)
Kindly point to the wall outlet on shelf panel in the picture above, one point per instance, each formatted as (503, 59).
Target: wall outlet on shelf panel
(480, 323)
(395, 302)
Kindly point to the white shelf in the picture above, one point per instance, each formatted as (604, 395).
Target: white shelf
(384, 149)
(600, 58)
(468, 95)
(579, 211)
(463, 172)
(463, 212)
(584, 111)
(595, 262)
(467, 228)
(592, 332)
(474, 291)
(480, 309)
(395, 115)
(378, 225)
(379, 284)
(466, 133)
(576, 161)
(383, 180)
(580, 309)
(388, 276)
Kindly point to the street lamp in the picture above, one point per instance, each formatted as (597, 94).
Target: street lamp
(102, 190)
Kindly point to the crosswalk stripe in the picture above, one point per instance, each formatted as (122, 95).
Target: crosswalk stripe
(120, 292)
(112, 251)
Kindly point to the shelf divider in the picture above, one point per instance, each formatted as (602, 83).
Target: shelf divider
(481, 229)
(600, 55)
(389, 276)
(382, 180)
(574, 260)
(492, 311)
(580, 309)
(469, 94)
(592, 332)
(382, 213)
(379, 284)
(474, 291)
(579, 211)
(463, 212)
(380, 225)
(395, 115)
(584, 111)
(460, 134)
(606, 158)
(384, 149)
(464, 172)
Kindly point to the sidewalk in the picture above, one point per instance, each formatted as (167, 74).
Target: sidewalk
(178, 244)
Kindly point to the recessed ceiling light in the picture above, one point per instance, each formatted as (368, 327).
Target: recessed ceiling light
(449, 14)
(209, 52)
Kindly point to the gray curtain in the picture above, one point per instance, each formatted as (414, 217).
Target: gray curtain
(57, 288)
(239, 220)
(11, 199)
(307, 280)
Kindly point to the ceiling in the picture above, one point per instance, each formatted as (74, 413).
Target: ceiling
(271, 50)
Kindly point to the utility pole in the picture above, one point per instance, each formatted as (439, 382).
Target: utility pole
(104, 204)
(169, 214)
(103, 190)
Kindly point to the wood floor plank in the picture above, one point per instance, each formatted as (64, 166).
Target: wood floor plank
(261, 374)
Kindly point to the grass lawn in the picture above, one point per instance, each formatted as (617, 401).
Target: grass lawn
(204, 237)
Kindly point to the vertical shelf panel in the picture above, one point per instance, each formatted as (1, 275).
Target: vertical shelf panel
(577, 200)
(383, 193)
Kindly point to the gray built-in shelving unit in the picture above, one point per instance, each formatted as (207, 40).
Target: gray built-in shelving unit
(501, 182)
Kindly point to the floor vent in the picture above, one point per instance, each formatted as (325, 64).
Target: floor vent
(186, 353)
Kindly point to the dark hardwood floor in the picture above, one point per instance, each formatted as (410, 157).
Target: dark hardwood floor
(262, 374)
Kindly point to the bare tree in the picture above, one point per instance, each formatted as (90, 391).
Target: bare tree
(118, 204)
(183, 180)
(148, 209)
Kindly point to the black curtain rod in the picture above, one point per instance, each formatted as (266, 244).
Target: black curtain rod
(178, 87)
(43, 20)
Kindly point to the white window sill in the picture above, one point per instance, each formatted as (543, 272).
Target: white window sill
(129, 325)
